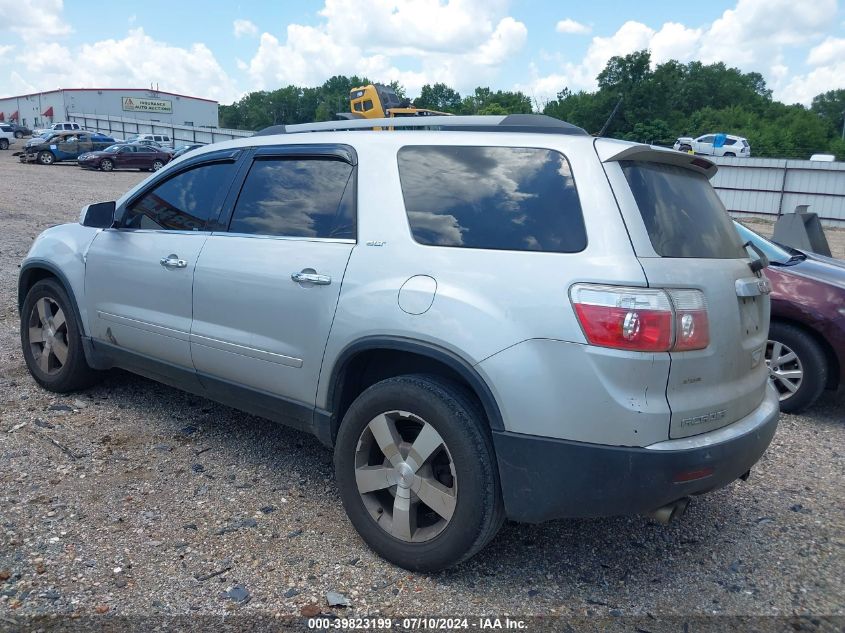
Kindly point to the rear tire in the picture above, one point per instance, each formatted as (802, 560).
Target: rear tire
(797, 366)
(51, 339)
(46, 157)
(730, 155)
(18, 134)
(459, 475)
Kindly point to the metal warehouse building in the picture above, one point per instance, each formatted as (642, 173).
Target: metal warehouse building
(40, 109)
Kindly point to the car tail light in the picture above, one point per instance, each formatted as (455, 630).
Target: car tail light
(692, 328)
(637, 319)
(642, 319)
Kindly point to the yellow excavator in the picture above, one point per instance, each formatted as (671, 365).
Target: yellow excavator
(377, 101)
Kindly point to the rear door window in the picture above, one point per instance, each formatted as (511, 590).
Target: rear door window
(682, 212)
(503, 198)
(293, 197)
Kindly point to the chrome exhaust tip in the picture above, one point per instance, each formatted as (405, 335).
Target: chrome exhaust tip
(670, 512)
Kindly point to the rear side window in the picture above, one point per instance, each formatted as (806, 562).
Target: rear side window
(503, 198)
(296, 198)
(185, 202)
(682, 213)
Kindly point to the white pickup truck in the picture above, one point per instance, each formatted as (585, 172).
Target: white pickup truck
(715, 145)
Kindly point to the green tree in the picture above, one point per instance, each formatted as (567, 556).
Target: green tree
(830, 106)
(439, 97)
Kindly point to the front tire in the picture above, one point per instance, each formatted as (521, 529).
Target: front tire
(46, 157)
(18, 134)
(797, 366)
(157, 164)
(51, 339)
(4, 143)
(106, 164)
(417, 473)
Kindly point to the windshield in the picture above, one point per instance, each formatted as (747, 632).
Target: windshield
(774, 252)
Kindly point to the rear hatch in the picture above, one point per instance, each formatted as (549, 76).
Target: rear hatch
(684, 238)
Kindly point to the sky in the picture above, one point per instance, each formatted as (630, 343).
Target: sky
(223, 50)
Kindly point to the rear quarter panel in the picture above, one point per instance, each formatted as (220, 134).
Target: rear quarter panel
(485, 300)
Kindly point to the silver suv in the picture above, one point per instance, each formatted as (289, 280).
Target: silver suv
(487, 317)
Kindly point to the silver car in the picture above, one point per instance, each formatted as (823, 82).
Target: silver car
(486, 317)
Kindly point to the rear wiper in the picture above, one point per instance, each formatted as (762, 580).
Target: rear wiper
(756, 265)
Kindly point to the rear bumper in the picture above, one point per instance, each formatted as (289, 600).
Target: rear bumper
(545, 478)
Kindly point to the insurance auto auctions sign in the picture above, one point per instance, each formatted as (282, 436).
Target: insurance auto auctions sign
(134, 104)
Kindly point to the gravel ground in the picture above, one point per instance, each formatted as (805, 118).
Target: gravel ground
(134, 498)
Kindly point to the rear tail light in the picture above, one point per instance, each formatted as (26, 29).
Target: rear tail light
(692, 328)
(642, 319)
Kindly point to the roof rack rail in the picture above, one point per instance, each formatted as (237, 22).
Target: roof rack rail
(530, 123)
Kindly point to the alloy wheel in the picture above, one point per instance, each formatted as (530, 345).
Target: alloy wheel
(48, 336)
(405, 476)
(785, 369)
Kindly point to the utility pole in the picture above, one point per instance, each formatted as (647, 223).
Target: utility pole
(843, 125)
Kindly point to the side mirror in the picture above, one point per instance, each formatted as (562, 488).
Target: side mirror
(99, 215)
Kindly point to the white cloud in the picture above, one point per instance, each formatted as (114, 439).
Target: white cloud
(136, 60)
(753, 36)
(755, 30)
(570, 26)
(460, 42)
(244, 27)
(31, 19)
(828, 73)
(831, 50)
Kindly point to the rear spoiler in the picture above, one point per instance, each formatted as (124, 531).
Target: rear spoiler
(613, 151)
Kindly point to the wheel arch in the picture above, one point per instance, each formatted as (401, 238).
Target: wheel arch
(372, 359)
(34, 271)
(834, 370)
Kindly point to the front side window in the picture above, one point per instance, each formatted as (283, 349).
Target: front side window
(185, 202)
(707, 139)
(297, 198)
(503, 198)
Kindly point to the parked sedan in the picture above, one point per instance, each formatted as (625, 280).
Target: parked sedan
(184, 149)
(806, 349)
(126, 156)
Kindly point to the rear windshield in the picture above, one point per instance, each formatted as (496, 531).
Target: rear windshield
(682, 213)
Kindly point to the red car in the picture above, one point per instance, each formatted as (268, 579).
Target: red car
(125, 156)
(806, 349)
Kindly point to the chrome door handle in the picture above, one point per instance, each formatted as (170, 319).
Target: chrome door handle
(173, 261)
(311, 278)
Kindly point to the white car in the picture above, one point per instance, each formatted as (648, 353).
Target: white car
(58, 127)
(161, 140)
(7, 135)
(715, 145)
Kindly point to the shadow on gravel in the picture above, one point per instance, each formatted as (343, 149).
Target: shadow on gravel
(572, 556)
